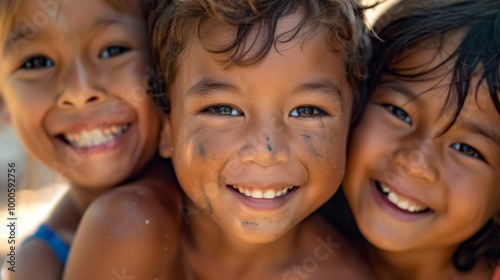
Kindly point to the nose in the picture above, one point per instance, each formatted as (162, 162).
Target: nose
(265, 147)
(417, 163)
(81, 88)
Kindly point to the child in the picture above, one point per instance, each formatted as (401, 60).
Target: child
(423, 178)
(73, 84)
(261, 98)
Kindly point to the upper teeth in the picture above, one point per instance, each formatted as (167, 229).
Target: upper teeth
(95, 137)
(268, 194)
(400, 202)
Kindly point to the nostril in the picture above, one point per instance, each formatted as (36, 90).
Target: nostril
(92, 99)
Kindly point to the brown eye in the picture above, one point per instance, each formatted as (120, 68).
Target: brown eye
(307, 111)
(223, 110)
(398, 113)
(467, 150)
(113, 51)
(37, 62)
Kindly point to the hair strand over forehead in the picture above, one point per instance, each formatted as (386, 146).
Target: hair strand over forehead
(172, 23)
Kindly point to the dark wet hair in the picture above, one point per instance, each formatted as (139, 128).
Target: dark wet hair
(478, 55)
(173, 22)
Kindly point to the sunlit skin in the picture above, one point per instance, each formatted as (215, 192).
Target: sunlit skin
(452, 176)
(281, 122)
(83, 69)
(277, 123)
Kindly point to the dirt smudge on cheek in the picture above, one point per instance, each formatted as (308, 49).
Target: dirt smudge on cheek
(311, 146)
(205, 144)
(208, 204)
(199, 139)
(200, 148)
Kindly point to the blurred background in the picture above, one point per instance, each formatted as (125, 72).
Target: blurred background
(37, 189)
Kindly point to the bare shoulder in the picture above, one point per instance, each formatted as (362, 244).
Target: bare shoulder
(134, 227)
(140, 205)
(332, 256)
(33, 260)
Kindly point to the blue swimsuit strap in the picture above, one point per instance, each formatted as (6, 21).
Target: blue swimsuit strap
(60, 249)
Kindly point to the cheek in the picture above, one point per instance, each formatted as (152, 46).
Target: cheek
(196, 156)
(34, 98)
(150, 118)
(327, 150)
(35, 140)
(476, 196)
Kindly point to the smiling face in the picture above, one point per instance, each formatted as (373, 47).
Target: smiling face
(411, 186)
(261, 147)
(75, 89)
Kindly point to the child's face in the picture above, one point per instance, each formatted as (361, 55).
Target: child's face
(260, 147)
(411, 188)
(74, 81)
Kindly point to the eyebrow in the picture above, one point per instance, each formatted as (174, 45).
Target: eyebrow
(323, 86)
(405, 91)
(105, 22)
(16, 37)
(208, 86)
(482, 130)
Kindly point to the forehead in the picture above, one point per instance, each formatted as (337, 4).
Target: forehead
(72, 17)
(291, 67)
(426, 57)
(214, 36)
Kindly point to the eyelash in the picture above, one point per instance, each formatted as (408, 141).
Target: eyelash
(40, 61)
(468, 150)
(316, 112)
(222, 110)
(226, 110)
(37, 62)
(398, 113)
(113, 51)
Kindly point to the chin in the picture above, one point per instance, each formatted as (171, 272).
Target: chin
(258, 235)
(387, 243)
(101, 181)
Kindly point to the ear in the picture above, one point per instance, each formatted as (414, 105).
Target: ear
(165, 144)
(4, 112)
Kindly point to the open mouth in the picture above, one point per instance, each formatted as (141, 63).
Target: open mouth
(399, 202)
(93, 138)
(266, 199)
(260, 194)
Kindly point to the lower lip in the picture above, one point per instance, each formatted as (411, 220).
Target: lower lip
(263, 203)
(106, 147)
(392, 209)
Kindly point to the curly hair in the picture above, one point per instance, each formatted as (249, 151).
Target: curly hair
(173, 22)
(478, 55)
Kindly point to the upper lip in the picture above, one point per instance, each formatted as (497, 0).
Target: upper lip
(275, 186)
(78, 127)
(404, 193)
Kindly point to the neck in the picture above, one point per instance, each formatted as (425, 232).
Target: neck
(84, 195)
(412, 265)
